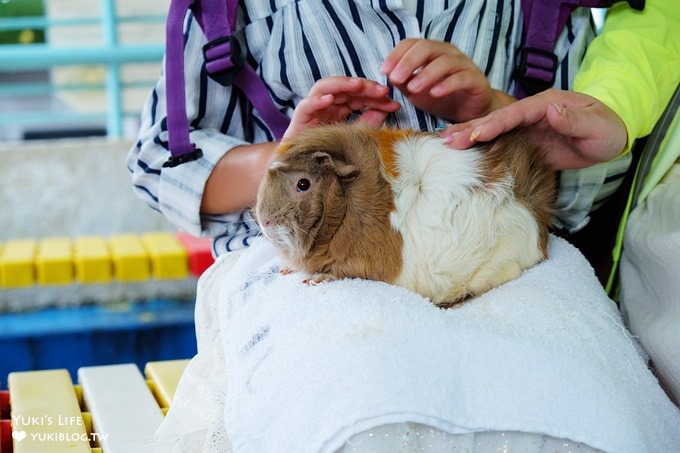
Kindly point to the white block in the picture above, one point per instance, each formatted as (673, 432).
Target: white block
(123, 410)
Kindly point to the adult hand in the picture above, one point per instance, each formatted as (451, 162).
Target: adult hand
(438, 78)
(576, 130)
(333, 99)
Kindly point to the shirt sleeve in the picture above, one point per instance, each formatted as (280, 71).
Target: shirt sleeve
(214, 114)
(633, 66)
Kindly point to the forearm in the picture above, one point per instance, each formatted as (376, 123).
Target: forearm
(193, 195)
(234, 180)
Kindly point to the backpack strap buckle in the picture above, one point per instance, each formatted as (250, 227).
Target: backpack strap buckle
(537, 68)
(175, 160)
(223, 59)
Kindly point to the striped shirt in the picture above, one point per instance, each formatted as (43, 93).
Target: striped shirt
(293, 43)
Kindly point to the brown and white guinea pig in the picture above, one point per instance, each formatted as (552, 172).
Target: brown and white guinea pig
(399, 206)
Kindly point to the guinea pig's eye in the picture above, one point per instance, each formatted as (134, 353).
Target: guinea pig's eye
(303, 185)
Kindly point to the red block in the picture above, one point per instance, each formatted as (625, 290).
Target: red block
(4, 404)
(5, 423)
(6, 436)
(199, 252)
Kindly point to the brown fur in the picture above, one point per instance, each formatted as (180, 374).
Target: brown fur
(385, 139)
(351, 240)
(534, 180)
(342, 225)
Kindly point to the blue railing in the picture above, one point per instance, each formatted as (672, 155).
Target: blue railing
(18, 58)
(110, 53)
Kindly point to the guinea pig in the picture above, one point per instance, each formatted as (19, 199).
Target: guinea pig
(399, 206)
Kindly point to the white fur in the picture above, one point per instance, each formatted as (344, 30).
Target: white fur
(455, 228)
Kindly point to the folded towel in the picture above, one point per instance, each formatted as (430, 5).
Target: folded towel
(308, 367)
(290, 367)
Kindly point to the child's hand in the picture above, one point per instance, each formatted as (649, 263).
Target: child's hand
(333, 99)
(577, 130)
(438, 78)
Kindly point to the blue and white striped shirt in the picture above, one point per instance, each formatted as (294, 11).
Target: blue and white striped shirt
(293, 43)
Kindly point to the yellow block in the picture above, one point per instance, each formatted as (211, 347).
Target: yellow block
(45, 413)
(54, 261)
(168, 257)
(17, 263)
(130, 258)
(87, 421)
(164, 376)
(92, 260)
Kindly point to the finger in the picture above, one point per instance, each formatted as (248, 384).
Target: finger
(337, 85)
(528, 111)
(320, 102)
(358, 97)
(396, 55)
(372, 89)
(455, 68)
(458, 140)
(577, 122)
(467, 79)
(372, 118)
(331, 85)
(371, 96)
(309, 107)
(465, 135)
(596, 131)
(362, 104)
(415, 58)
(307, 112)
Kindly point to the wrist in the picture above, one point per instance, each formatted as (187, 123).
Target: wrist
(233, 182)
(266, 154)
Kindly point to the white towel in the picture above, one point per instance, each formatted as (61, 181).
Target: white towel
(291, 368)
(309, 367)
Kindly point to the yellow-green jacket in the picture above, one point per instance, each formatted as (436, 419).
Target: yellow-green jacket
(633, 66)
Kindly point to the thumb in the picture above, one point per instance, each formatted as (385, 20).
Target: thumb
(574, 122)
(597, 131)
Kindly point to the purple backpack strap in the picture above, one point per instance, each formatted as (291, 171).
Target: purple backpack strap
(181, 149)
(544, 20)
(223, 61)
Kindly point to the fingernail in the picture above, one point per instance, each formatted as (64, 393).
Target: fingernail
(475, 134)
(415, 85)
(398, 75)
(449, 138)
(560, 108)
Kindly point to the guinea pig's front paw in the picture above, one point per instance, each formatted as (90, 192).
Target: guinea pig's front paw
(318, 279)
(287, 270)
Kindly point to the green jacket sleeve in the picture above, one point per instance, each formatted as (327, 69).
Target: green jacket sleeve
(633, 66)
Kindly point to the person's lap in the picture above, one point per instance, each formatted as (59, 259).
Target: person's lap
(326, 364)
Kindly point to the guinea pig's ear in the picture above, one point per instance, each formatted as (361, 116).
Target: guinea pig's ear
(323, 160)
(277, 165)
(347, 172)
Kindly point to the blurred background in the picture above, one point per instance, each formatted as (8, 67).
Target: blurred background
(74, 75)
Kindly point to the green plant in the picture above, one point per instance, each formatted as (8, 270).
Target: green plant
(21, 8)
